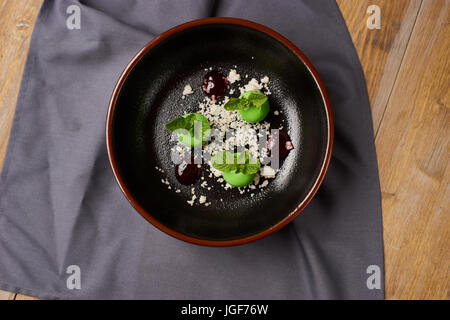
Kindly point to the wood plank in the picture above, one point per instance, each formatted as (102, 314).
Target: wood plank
(380, 51)
(413, 154)
(5, 295)
(17, 20)
(24, 297)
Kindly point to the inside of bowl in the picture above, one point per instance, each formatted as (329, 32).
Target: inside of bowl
(151, 96)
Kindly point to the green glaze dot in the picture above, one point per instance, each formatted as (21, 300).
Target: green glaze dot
(253, 114)
(191, 141)
(237, 179)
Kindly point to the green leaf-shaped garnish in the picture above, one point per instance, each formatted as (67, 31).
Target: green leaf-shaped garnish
(253, 99)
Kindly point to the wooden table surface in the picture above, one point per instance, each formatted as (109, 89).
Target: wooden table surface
(407, 69)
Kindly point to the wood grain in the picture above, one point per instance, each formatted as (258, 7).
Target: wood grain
(406, 66)
(17, 18)
(5, 295)
(413, 155)
(380, 51)
(24, 297)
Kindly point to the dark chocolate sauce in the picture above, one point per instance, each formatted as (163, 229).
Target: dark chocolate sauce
(187, 173)
(284, 144)
(215, 84)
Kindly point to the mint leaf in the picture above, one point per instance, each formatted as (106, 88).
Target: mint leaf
(178, 123)
(224, 167)
(252, 168)
(186, 123)
(256, 98)
(240, 168)
(221, 161)
(197, 125)
(194, 123)
(234, 104)
(253, 99)
(205, 128)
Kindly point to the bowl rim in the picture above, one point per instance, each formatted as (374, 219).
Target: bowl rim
(202, 22)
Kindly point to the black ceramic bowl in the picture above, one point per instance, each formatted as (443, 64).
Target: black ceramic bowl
(148, 95)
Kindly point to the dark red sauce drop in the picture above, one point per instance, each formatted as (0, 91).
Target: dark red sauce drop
(284, 144)
(215, 84)
(187, 173)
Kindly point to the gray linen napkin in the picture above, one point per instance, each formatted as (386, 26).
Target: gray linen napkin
(64, 219)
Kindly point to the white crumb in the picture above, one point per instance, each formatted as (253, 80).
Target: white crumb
(233, 76)
(264, 184)
(252, 85)
(265, 79)
(256, 179)
(187, 90)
